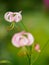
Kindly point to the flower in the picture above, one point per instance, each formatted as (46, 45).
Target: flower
(13, 16)
(22, 39)
(37, 47)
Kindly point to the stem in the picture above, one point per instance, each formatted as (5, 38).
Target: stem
(11, 26)
(24, 26)
(29, 55)
(40, 52)
(29, 58)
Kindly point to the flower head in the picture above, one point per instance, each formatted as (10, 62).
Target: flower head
(22, 39)
(13, 16)
(37, 47)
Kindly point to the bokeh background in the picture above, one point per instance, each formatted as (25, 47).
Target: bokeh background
(36, 19)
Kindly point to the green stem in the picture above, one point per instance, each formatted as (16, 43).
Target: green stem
(29, 58)
(29, 55)
(12, 26)
(24, 27)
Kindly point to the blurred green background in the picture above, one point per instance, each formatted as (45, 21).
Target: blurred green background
(36, 20)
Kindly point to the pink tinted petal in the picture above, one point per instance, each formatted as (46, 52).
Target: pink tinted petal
(30, 39)
(7, 15)
(15, 40)
(18, 17)
(23, 41)
(11, 18)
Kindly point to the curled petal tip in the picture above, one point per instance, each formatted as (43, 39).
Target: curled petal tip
(20, 12)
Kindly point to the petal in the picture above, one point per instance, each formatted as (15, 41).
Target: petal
(30, 38)
(23, 41)
(20, 12)
(15, 40)
(8, 16)
(17, 17)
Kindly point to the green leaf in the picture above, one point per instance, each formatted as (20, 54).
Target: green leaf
(4, 61)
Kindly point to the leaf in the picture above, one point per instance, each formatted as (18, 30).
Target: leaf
(22, 52)
(4, 61)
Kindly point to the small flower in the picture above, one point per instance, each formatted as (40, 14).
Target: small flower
(22, 39)
(37, 47)
(13, 16)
